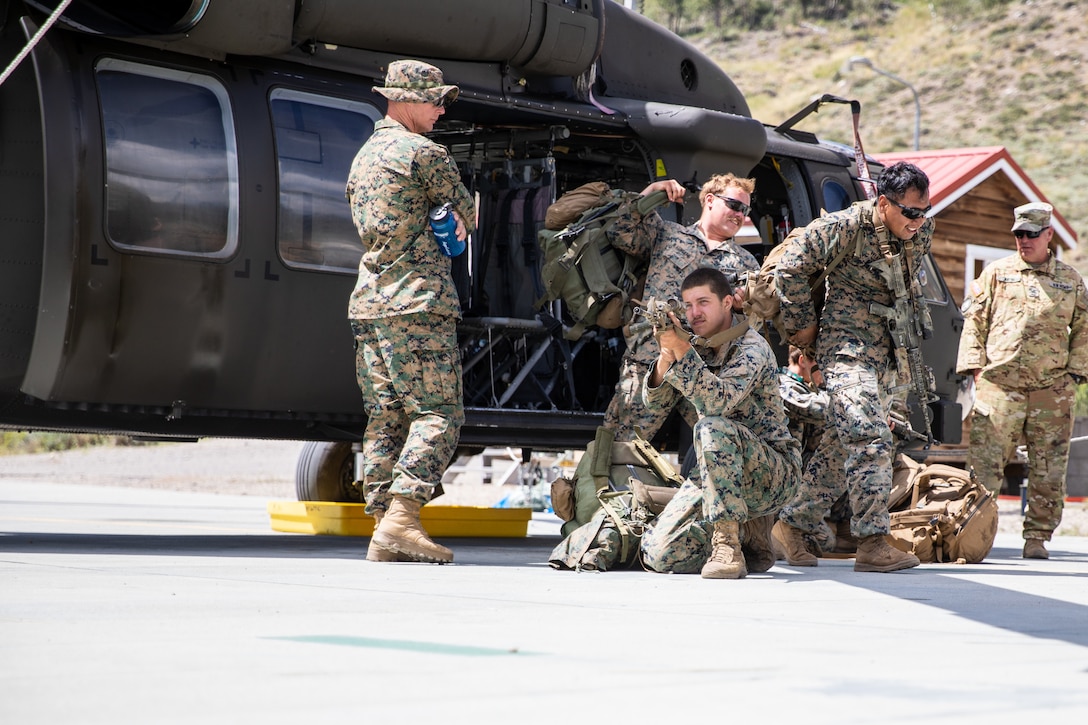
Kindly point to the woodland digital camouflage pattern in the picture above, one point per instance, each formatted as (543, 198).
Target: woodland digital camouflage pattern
(413, 81)
(674, 252)
(748, 462)
(1026, 328)
(410, 379)
(806, 407)
(854, 351)
(404, 312)
(396, 178)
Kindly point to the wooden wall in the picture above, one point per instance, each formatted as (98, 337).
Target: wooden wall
(982, 216)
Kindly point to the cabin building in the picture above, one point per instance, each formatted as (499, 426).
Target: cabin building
(973, 192)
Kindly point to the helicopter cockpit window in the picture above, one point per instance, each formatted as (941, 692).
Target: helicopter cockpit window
(171, 169)
(317, 138)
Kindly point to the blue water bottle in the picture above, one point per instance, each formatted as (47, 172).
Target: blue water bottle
(444, 226)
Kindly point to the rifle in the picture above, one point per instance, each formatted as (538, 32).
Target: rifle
(655, 312)
(909, 323)
(902, 429)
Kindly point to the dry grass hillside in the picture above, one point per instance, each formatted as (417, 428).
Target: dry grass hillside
(999, 73)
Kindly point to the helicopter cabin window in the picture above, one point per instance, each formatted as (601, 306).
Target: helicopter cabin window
(317, 138)
(836, 198)
(171, 161)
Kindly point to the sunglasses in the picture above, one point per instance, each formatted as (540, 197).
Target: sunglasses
(737, 206)
(1030, 235)
(909, 211)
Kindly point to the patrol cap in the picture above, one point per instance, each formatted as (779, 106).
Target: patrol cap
(1032, 217)
(413, 81)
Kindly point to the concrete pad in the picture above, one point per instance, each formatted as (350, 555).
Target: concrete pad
(124, 605)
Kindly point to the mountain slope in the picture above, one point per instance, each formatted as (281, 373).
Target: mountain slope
(1015, 75)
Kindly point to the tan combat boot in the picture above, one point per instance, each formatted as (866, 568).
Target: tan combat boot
(845, 543)
(400, 532)
(756, 543)
(1035, 549)
(726, 559)
(876, 554)
(376, 553)
(792, 544)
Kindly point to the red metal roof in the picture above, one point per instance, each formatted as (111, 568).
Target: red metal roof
(954, 172)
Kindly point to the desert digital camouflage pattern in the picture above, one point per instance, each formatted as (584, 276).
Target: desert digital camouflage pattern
(854, 351)
(748, 462)
(1026, 329)
(674, 252)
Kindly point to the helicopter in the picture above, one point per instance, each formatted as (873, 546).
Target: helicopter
(178, 252)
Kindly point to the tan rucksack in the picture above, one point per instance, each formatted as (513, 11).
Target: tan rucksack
(940, 513)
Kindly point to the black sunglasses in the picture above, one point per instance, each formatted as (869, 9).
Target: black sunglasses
(1030, 235)
(737, 206)
(909, 211)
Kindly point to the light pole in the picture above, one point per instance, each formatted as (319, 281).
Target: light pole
(861, 60)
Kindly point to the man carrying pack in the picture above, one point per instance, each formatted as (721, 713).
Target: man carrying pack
(748, 461)
(673, 252)
(404, 311)
(1025, 342)
(891, 235)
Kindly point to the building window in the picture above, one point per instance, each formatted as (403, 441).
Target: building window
(978, 256)
(171, 161)
(317, 138)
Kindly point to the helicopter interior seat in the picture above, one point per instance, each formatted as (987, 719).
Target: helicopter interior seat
(512, 357)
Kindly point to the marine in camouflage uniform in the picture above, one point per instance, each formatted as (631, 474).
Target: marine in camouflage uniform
(673, 252)
(806, 405)
(748, 463)
(856, 354)
(404, 308)
(1025, 341)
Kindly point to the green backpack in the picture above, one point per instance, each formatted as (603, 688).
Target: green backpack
(581, 267)
(619, 487)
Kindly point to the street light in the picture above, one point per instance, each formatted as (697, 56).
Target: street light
(861, 60)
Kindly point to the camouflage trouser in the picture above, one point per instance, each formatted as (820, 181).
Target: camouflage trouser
(409, 372)
(857, 443)
(626, 412)
(1045, 419)
(738, 477)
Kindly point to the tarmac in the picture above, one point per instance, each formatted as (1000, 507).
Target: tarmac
(136, 606)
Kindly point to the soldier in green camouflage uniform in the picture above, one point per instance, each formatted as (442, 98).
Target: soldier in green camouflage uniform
(806, 405)
(404, 310)
(855, 352)
(748, 462)
(673, 252)
(1025, 342)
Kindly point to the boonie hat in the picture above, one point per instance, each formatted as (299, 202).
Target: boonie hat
(1032, 217)
(413, 81)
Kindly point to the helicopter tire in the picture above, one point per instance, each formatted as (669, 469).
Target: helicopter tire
(326, 472)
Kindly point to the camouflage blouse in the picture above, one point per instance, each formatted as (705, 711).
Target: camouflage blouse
(674, 252)
(1025, 326)
(738, 380)
(396, 178)
(847, 327)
